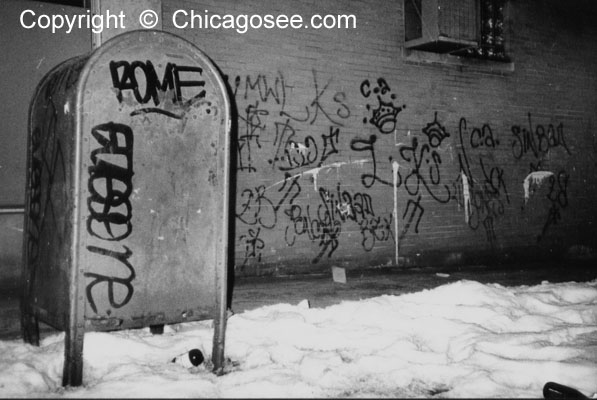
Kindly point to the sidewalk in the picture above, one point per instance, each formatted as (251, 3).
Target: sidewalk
(321, 291)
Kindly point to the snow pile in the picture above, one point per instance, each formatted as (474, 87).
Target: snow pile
(463, 339)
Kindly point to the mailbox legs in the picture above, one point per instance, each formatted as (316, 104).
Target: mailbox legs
(73, 356)
(72, 374)
(221, 312)
(29, 321)
(29, 328)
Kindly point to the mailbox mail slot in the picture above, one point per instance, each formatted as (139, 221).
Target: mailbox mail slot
(127, 193)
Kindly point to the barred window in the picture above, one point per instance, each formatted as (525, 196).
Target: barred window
(466, 28)
(491, 44)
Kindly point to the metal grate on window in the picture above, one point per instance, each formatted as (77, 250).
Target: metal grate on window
(491, 46)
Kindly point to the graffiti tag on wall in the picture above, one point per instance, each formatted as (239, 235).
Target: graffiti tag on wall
(480, 187)
(278, 134)
(534, 142)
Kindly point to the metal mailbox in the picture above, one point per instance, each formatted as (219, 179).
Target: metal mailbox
(127, 193)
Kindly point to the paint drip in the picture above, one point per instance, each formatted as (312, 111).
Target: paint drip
(466, 194)
(534, 178)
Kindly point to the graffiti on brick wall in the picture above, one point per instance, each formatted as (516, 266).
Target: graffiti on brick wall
(383, 114)
(270, 115)
(556, 194)
(293, 136)
(537, 139)
(367, 146)
(322, 102)
(480, 188)
(324, 223)
(318, 224)
(311, 152)
(425, 164)
(253, 244)
(257, 211)
(287, 136)
(252, 126)
(256, 208)
(534, 142)
(558, 198)
(419, 174)
(267, 126)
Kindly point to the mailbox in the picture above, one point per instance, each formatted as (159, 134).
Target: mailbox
(127, 193)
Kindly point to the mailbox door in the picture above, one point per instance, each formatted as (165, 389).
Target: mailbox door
(153, 185)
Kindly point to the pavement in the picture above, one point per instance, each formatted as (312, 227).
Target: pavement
(321, 290)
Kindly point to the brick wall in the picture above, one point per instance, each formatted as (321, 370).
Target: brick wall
(315, 170)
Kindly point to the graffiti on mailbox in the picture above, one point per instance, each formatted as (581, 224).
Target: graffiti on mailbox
(141, 79)
(110, 182)
(110, 211)
(136, 84)
(126, 282)
(48, 168)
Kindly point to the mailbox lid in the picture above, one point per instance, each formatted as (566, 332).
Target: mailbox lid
(154, 126)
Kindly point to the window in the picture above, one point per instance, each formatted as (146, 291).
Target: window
(491, 45)
(465, 28)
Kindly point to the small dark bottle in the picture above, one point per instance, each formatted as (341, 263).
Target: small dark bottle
(193, 358)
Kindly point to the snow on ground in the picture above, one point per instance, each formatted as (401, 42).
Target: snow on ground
(463, 339)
